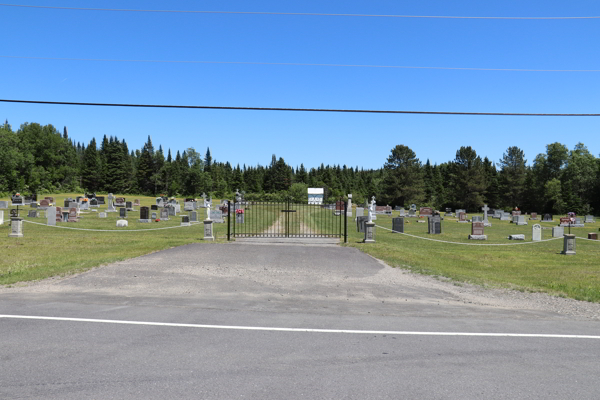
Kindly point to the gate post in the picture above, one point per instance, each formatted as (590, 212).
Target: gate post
(228, 220)
(345, 222)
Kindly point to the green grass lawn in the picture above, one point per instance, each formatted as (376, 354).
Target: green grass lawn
(46, 251)
(49, 251)
(535, 266)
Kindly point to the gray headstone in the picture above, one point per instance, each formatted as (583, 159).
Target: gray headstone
(569, 244)
(102, 215)
(434, 225)
(164, 214)
(476, 218)
(521, 220)
(216, 216)
(32, 214)
(516, 237)
(589, 219)
(398, 224)
(360, 223)
(1, 217)
(51, 216)
(154, 215)
(194, 216)
(360, 212)
(3, 205)
(122, 212)
(536, 233)
(558, 231)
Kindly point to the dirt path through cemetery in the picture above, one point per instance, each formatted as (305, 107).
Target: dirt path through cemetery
(279, 228)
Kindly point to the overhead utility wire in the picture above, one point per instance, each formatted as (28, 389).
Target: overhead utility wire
(295, 109)
(287, 13)
(302, 64)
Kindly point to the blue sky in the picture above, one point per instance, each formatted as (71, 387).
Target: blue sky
(251, 137)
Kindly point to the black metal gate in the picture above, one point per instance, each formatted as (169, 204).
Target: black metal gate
(287, 219)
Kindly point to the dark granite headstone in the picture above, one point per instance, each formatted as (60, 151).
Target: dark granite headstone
(144, 213)
(154, 207)
(122, 212)
(398, 225)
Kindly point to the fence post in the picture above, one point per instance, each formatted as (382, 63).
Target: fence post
(345, 222)
(228, 220)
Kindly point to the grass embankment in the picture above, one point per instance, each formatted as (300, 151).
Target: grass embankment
(534, 267)
(46, 251)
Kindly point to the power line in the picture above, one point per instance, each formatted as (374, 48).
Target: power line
(297, 109)
(302, 64)
(291, 13)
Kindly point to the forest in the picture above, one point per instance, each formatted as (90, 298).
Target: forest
(40, 159)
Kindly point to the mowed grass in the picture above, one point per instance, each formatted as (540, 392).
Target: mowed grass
(46, 251)
(533, 267)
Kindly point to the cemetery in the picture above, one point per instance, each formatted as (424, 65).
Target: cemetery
(535, 259)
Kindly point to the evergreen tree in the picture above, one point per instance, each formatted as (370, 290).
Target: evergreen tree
(90, 170)
(403, 179)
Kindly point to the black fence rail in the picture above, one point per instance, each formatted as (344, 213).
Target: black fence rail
(286, 219)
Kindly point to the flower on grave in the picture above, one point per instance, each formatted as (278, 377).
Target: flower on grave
(17, 194)
(239, 211)
(157, 220)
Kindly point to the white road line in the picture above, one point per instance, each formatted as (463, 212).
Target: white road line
(305, 330)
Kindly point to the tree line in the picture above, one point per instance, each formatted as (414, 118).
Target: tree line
(39, 159)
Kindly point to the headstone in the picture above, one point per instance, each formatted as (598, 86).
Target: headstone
(398, 225)
(164, 214)
(547, 218)
(589, 219)
(516, 212)
(536, 233)
(349, 209)
(120, 202)
(154, 207)
(521, 220)
(100, 200)
(413, 207)
(44, 204)
(369, 232)
(412, 213)
(360, 212)
(425, 211)
(32, 214)
(462, 217)
(85, 205)
(188, 206)
(476, 218)
(129, 206)
(578, 223)
(194, 216)
(16, 227)
(505, 216)
(65, 216)
(33, 205)
(565, 221)
(3, 205)
(216, 216)
(533, 216)
(402, 212)
(497, 214)
(592, 236)
(569, 244)
(185, 220)
(434, 224)
(102, 215)
(477, 231)
(122, 212)
(17, 200)
(558, 231)
(136, 202)
(67, 202)
(122, 223)
(154, 216)
(516, 237)
(360, 223)
(111, 204)
(239, 216)
(145, 215)
(94, 203)
(51, 216)
(485, 210)
(50, 199)
(1, 217)
(73, 215)
(208, 229)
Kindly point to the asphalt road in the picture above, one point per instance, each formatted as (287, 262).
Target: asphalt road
(334, 323)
